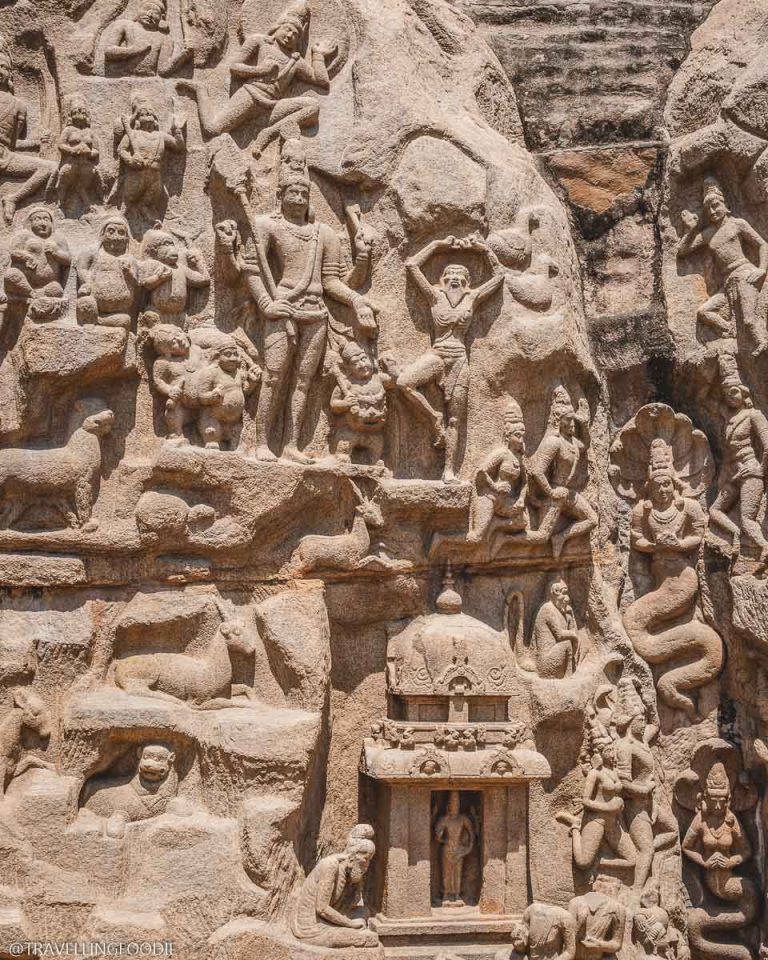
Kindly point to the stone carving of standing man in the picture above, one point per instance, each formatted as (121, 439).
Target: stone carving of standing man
(553, 472)
(453, 305)
(15, 164)
(742, 475)
(310, 266)
(455, 832)
(725, 237)
(268, 66)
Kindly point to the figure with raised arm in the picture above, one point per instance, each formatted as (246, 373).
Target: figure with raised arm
(727, 239)
(453, 304)
(268, 66)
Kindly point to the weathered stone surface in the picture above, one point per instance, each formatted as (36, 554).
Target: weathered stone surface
(383, 452)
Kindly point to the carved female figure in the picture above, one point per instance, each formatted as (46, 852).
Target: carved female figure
(742, 476)
(500, 484)
(716, 842)
(601, 819)
(635, 767)
(79, 155)
(453, 304)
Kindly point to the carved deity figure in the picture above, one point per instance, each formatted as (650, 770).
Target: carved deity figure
(268, 66)
(168, 300)
(16, 160)
(146, 794)
(292, 305)
(727, 239)
(359, 402)
(141, 46)
(601, 821)
(320, 915)
(142, 151)
(109, 278)
(669, 528)
(39, 262)
(716, 842)
(742, 474)
(218, 389)
(453, 304)
(553, 471)
(547, 932)
(498, 497)
(79, 155)
(600, 921)
(456, 834)
(28, 713)
(555, 637)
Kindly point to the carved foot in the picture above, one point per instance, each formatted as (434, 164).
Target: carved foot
(264, 453)
(558, 542)
(295, 455)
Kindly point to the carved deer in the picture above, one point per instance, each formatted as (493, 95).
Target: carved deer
(345, 551)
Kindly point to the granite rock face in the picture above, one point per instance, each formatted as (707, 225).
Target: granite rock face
(383, 479)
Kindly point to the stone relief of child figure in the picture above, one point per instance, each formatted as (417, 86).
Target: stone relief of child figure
(170, 371)
(168, 301)
(359, 403)
(219, 389)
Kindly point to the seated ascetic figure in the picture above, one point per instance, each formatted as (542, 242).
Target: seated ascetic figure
(321, 915)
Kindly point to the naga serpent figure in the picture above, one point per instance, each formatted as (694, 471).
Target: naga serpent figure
(717, 843)
(670, 527)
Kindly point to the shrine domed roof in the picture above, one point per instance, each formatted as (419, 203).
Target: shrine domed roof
(449, 652)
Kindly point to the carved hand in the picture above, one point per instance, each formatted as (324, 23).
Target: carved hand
(279, 310)
(326, 49)
(690, 220)
(226, 233)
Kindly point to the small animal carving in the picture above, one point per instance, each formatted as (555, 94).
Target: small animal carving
(202, 678)
(67, 477)
(28, 712)
(163, 518)
(345, 551)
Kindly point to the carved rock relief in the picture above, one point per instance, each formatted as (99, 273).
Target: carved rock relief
(347, 614)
